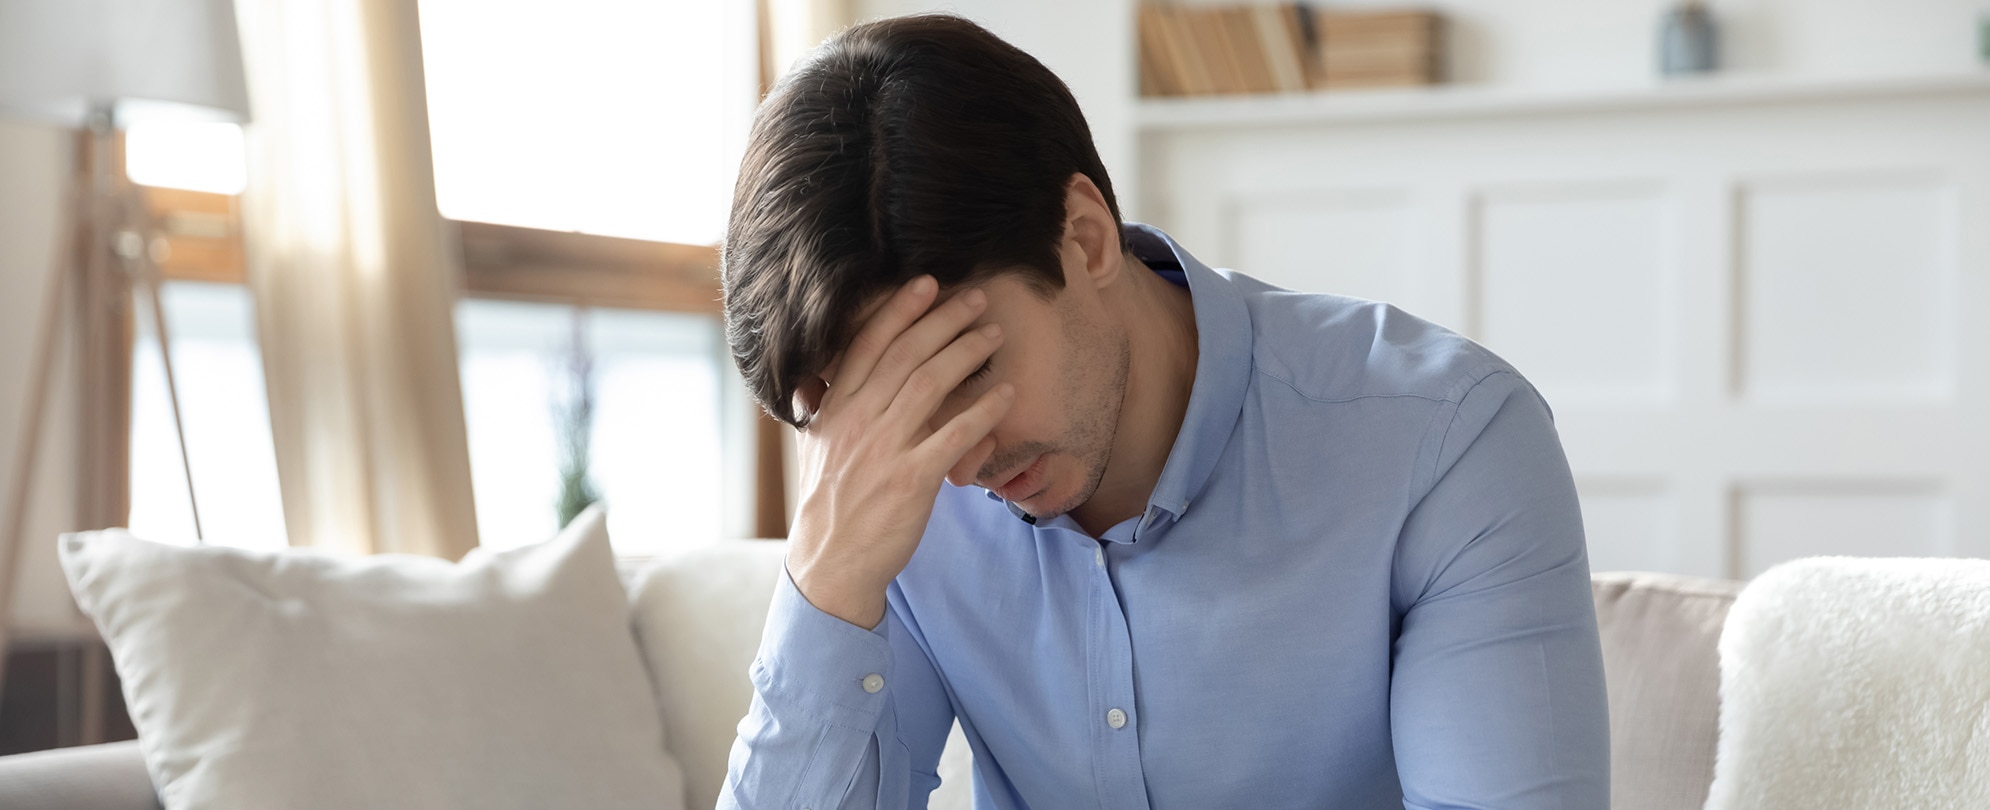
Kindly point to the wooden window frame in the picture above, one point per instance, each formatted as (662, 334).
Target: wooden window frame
(203, 235)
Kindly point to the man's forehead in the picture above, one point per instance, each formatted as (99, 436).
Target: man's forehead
(870, 308)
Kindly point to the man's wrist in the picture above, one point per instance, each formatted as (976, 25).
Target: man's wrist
(853, 600)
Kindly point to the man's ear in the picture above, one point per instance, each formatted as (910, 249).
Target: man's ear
(1091, 231)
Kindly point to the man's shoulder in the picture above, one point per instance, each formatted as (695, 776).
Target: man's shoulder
(1333, 348)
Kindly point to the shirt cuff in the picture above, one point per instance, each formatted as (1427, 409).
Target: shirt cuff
(821, 665)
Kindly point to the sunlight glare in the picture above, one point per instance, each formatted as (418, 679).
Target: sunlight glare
(199, 156)
(598, 116)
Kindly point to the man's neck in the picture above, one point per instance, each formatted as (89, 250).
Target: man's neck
(1159, 320)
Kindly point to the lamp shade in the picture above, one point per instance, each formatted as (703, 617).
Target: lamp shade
(143, 58)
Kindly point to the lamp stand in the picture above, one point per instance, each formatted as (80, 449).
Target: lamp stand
(113, 227)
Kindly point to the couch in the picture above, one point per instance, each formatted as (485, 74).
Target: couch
(698, 617)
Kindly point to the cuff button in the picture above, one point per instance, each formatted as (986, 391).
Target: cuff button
(873, 683)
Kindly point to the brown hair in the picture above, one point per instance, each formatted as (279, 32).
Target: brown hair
(907, 146)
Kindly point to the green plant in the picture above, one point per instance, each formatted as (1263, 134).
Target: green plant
(573, 421)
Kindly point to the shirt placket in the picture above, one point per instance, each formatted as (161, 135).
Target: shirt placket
(1114, 720)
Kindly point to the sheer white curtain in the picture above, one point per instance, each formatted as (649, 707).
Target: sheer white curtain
(791, 28)
(354, 279)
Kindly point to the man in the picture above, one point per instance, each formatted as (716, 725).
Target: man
(1202, 542)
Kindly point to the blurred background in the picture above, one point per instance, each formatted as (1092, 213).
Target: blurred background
(434, 275)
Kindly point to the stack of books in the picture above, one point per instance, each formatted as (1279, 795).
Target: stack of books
(1285, 48)
(1196, 51)
(1385, 49)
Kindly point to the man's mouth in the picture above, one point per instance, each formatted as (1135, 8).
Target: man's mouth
(1024, 483)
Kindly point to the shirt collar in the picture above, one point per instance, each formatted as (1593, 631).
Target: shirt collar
(1222, 372)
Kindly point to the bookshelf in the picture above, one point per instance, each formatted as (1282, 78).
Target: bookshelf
(1165, 115)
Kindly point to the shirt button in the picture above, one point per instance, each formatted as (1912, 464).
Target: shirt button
(1099, 555)
(873, 683)
(1116, 718)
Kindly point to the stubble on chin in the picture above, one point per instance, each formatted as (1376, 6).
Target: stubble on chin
(1095, 422)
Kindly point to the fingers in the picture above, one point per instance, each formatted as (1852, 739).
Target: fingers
(945, 448)
(968, 468)
(935, 380)
(899, 312)
(916, 345)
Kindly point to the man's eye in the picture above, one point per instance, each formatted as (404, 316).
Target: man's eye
(977, 375)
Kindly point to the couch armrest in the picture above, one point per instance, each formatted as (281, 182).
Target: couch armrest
(91, 777)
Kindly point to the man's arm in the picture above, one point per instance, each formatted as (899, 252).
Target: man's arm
(818, 735)
(1497, 697)
(847, 710)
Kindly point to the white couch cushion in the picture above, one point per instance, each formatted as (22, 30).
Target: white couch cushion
(300, 680)
(698, 617)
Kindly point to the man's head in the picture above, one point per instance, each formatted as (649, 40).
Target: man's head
(908, 146)
(927, 146)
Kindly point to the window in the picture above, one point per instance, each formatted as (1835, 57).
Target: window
(612, 117)
(587, 150)
(219, 374)
(584, 152)
(189, 174)
(653, 431)
(188, 155)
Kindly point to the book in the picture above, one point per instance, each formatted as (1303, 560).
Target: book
(1206, 27)
(1283, 48)
(1284, 45)
(1159, 67)
(1190, 70)
(1241, 30)
(1376, 49)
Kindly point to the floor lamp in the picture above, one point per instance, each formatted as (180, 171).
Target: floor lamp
(103, 65)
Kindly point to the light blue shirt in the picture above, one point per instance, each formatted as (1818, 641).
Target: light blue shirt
(1360, 583)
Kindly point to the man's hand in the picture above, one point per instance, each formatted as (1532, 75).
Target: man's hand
(870, 464)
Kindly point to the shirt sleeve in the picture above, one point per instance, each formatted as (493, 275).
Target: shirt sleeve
(1497, 696)
(842, 717)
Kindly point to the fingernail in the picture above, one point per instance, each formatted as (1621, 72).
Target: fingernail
(923, 284)
(993, 330)
(1006, 390)
(974, 298)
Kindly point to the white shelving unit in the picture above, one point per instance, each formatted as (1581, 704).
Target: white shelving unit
(1750, 299)
(1470, 101)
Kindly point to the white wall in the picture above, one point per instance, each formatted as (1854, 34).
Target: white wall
(35, 164)
(1087, 43)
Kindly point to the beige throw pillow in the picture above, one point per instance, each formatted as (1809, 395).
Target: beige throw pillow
(300, 680)
(1660, 637)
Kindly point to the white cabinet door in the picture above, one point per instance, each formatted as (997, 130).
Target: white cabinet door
(1764, 327)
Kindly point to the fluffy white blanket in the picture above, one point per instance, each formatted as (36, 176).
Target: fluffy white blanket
(1857, 683)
